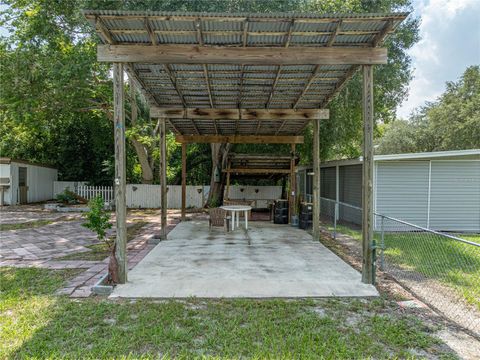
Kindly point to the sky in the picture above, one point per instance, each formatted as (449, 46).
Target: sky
(450, 41)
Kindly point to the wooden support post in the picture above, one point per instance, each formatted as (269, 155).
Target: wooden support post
(184, 179)
(316, 180)
(227, 195)
(120, 172)
(163, 177)
(293, 186)
(368, 275)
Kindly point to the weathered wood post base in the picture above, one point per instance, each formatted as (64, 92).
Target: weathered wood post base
(368, 275)
(120, 172)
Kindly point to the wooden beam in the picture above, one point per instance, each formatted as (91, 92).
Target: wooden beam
(120, 173)
(316, 181)
(256, 171)
(240, 139)
(368, 271)
(163, 177)
(194, 54)
(240, 114)
(184, 180)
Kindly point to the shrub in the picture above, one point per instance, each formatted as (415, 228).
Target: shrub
(98, 220)
(67, 197)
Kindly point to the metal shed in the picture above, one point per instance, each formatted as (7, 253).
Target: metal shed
(438, 190)
(23, 182)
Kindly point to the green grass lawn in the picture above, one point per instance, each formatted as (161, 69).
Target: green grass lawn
(451, 262)
(37, 324)
(25, 225)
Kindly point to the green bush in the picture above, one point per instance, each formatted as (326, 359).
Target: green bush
(98, 220)
(67, 197)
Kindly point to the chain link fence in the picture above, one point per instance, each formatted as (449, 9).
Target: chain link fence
(441, 269)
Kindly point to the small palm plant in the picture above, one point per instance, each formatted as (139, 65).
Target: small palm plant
(98, 220)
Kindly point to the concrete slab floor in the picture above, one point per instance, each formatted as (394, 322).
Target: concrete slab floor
(273, 261)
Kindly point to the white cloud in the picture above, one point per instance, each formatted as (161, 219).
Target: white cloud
(450, 41)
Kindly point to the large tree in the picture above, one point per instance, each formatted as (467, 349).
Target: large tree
(450, 123)
(56, 102)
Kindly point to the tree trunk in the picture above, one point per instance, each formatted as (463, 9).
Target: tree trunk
(140, 149)
(219, 160)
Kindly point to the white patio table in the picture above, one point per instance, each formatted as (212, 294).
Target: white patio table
(235, 210)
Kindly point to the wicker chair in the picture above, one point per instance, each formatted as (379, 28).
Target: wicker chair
(218, 217)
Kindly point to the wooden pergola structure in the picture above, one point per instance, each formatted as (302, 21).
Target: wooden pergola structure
(264, 165)
(241, 78)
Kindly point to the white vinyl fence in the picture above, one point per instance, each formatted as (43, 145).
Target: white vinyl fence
(89, 192)
(148, 196)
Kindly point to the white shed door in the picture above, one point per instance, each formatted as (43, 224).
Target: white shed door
(402, 190)
(455, 195)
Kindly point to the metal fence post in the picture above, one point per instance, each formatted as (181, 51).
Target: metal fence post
(382, 242)
(335, 209)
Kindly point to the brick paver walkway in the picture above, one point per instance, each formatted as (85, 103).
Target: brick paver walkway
(46, 242)
(42, 246)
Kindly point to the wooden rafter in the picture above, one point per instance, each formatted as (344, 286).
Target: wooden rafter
(381, 35)
(145, 92)
(151, 34)
(340, 85)
(173, 79)
(334, 34)
(307, 86)
(103, 30)
(242, 68)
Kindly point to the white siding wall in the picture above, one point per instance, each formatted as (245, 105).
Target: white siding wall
(402, 190)
(455, 195)
(60, 186)
(40, 183)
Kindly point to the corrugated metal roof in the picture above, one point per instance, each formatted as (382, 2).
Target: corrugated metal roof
(244, 86)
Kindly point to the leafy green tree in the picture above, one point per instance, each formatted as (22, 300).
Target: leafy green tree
(450, 123)
(55, 103)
